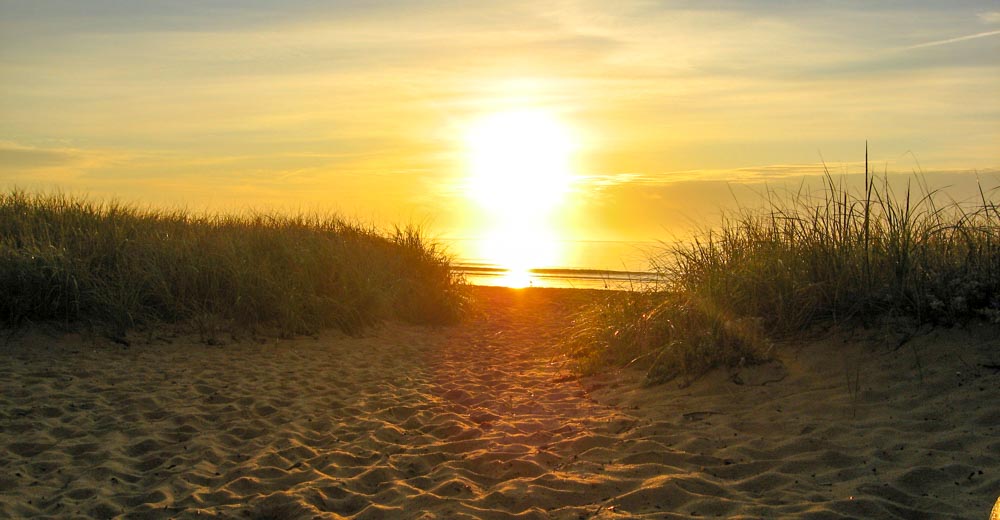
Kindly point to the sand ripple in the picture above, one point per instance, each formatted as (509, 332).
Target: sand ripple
(484, 421)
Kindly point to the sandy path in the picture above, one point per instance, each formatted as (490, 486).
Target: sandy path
(483, 421)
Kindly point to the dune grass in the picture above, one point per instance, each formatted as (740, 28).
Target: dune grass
(800, 261)
(72, 260)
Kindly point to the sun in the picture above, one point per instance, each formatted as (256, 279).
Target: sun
(519, 172)
(519, 162)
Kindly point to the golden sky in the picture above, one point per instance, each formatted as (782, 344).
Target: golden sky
(366, 107)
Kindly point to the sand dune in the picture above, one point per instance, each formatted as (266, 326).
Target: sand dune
(484, 420)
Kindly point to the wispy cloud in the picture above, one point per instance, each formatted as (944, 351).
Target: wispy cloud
(749, 175)
(24, 159)
(776, 173)
(958, 39)
(989, 17)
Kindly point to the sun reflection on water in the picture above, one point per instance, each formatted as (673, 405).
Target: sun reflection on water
(516, 279)
(519, 247)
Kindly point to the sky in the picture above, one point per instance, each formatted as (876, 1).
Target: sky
(365, 107)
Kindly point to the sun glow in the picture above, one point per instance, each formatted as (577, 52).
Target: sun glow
(519, 161)
(520, 171)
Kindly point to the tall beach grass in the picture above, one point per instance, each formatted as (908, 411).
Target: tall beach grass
(73, 260)
(843, 255)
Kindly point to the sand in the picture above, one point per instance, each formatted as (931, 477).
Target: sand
(484, 420)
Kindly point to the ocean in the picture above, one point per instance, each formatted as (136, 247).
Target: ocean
(582, 264)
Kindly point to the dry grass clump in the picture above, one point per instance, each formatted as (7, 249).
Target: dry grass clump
(670, 334)
(801, 261)
(69, 259)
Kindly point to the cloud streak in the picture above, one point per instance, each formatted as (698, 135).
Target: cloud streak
(958, 39)
(989, 17)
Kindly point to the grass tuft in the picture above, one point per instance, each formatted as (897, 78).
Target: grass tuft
(669, 334)
(69, 259)
(800, 261)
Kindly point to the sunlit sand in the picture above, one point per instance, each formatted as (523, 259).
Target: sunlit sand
(484, 420)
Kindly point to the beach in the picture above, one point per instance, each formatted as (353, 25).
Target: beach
(486, 419)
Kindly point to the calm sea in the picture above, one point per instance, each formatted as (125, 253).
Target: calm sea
(583, 264)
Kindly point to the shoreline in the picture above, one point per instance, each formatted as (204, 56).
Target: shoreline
(485, 420)
(558, 278)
